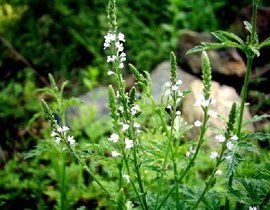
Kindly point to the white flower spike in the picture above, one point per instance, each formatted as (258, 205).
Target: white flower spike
(114, 138)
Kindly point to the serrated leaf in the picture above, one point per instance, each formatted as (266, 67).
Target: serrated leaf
(257, 136)
(248, 146)
(257, 118)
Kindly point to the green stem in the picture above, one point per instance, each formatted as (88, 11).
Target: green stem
(63, 176)
(192, 160)
(244, 94)
(209, 183)
(86, 168)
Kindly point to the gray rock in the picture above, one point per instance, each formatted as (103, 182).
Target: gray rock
(223, 61)
(97, 99)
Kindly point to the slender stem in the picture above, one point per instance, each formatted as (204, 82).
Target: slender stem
(63, 176)
(244, 94)
(209, 183)
(192, 160)
(86, 168)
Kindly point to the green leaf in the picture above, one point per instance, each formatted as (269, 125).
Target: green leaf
(248, 26)
(206, 46)
(248, 146)
(265, 43)
(224, 35)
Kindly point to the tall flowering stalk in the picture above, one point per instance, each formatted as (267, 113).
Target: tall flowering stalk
(124, 111)
(204, 101)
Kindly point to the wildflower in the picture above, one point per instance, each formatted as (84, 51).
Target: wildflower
(197, 123)
(109, 37)
(121, 37)
(213, 155)
(111, 58)
(126, 177)
(128, 143)
(123, 57)
(121, 109)
(234, 138)
(167, 84)
(110, 73)
(125, 126)
(179, 82)
(175, 87)
(53, 134)
(135, 109)
(169, 107)
(178, 113)
(253, 208)
(115, 154)
(114, 137)
(229, 145)
(129, 205)
(136, 125)
(220, 138)
(62, 129)
(180, 93)
(190, 152)
(167, 93)
(219, 172)
(213, 114)
(121, 65)
(71, 140)
(200, 101)
(57, 140)
(119, 46)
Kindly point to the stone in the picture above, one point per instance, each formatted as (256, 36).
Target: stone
(222, 94)
(223, 61)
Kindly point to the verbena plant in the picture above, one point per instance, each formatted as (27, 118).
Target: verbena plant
(153, 174)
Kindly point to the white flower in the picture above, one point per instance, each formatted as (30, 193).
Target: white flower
(106, 45)
(167, 92)
(178, 113)
(169, 107)
(220, 138)
(229, 145)
(179, 82)
(121, 37)
(234, 138)
(219, 172)
(119, 46)
(128, 143)
(121, 109)
(53, 134)
(109, 37)
(62, 129)
(213, 114)
(200, 101)
(129, 205)
(180, 93)
(121, 65)
(57, 140)
(135, 109)
(114, 137)
(125, 126)
(123, 57)
(110, 73)
(167, 84)
(71, 140)
(111, 58)
(253, 208)
(190, 152)
(126, 177)
(197, 123)
(136, 125)
(175, 87)
(115, 154)
(213, 155)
